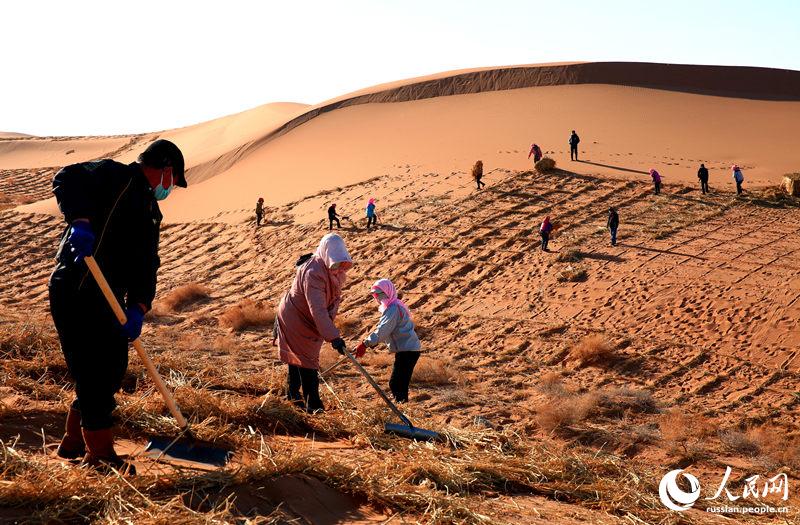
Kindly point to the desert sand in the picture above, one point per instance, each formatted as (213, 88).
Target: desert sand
(675, 349)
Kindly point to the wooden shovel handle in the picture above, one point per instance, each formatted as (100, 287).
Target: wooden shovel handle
(148, 363)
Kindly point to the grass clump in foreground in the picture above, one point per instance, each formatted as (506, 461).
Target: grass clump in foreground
(592, 350)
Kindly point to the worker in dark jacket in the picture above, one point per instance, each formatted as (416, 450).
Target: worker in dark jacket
(702, 174)
(613, 224)
(574, 140)
(332, 216)
(259, 211)
(112, 213)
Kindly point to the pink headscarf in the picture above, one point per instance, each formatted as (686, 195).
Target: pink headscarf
(388, 289)
(371, 201)
(735, 167)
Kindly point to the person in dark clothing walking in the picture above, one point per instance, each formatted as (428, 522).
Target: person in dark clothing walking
(259, 211)
(544, 231)
(738, 178)
(613, 224)
(702, 174)
(112, 214)
(574, 140)
(332, 216)
(477, 174)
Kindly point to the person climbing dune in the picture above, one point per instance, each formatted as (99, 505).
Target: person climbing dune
(536, 151)
(544, 230)
(656, 181)
(477, 174)
(372, 217)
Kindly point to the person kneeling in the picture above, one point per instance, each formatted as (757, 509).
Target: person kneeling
(396, 329)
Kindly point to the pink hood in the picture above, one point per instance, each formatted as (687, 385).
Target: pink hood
(387, 287)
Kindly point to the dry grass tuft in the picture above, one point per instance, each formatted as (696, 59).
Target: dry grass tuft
(565, 410)
(247, 314)
(571, 255)
(545, 164)
(685, 433)
(183, 296)
(433, 371)
(592, 350)
(572, 274)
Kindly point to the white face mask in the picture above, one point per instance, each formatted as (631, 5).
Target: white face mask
(162, 193)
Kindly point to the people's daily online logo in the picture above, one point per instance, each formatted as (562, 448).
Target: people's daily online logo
(679, 499)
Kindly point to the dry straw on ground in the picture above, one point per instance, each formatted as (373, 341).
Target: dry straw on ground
(592, 350)
(247, 314)
(572, 274)
(183, 296)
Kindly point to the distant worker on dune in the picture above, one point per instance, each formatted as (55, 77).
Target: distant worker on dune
(613, 224)
(738, 178)
(306, 316)
(112, 214)
(544, 231)
(536, 151)
(574, 140)
(477, 174)
(656, 180)
(702, 174)
(259, 210)
(332, 216)
(372, 217)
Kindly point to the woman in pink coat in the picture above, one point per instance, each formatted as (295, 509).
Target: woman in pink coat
(305, 318)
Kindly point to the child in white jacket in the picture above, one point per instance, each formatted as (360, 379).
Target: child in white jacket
(396, 329)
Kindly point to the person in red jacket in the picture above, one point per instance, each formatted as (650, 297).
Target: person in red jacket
(536, 151)
(544, 231)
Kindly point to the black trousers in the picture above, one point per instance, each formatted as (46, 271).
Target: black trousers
(545, 239)
(738, 188)
(404, 363)
(573, 152)
(258, 219)
(480, 183)
(331, 221)
(704, 186)
(308, 379)
(657, 186)
(372, 221)
(94, 347)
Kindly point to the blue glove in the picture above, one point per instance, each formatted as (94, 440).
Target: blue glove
(133, 326)
(81, 240)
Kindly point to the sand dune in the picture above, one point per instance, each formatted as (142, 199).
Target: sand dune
(631, 117)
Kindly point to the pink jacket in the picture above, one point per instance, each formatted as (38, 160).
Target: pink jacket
(306, 314)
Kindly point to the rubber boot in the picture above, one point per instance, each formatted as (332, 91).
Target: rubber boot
(100, 452)
(72, 445)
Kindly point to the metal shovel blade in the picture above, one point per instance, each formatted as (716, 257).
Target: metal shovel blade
(188, 450)
(412, 432)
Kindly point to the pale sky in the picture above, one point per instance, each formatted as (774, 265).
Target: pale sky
(112, 67)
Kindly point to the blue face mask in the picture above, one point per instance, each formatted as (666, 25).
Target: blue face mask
(162, 193)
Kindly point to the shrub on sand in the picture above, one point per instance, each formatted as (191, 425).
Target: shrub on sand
(183, 296)
(433, 371)
(545, 164)
(247, 314)
(592, 350)
(571, 255)
(572, 274)
(565, 410)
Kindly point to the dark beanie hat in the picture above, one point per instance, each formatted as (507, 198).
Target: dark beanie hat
(162, 154)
